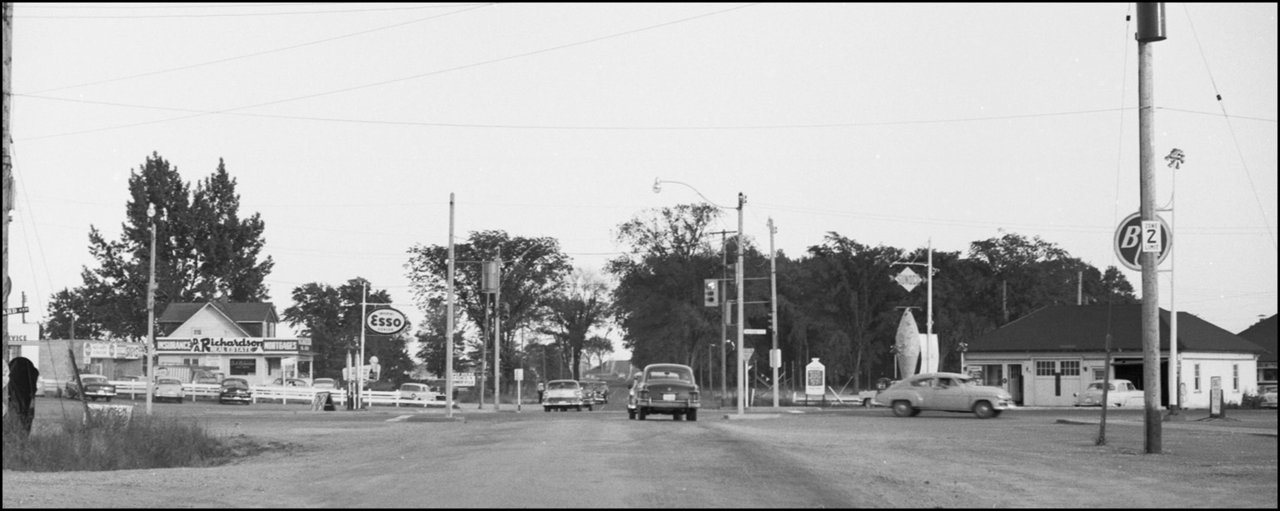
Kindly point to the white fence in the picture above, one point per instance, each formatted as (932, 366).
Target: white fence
(272, 393)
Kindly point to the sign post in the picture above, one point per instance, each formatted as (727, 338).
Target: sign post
(1134, 237)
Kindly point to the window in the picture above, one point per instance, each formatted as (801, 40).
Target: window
(243, 366)
(1070, 367)
(195, 331)
(1196, 381)
(1045, 367)
(1235, 377)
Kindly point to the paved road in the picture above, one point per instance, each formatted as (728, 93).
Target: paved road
(388, 457)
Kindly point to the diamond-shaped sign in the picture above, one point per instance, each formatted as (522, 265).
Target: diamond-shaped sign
(908, 279)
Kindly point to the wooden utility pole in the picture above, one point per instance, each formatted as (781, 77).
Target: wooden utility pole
(7, 140)
(1150, 30)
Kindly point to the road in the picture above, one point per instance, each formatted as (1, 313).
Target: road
(398, 457)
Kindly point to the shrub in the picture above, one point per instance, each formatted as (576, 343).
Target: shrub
(142, 442)
(1251, 400)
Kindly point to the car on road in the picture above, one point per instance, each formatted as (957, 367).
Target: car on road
(1121, 393)
(235, 390)
(419, 392)
(667, 389)
(1268, 395)
(563, 395)
(96, 387)
(945, 392)
(168, 388)
(324, 383)
(291, 382)
(595, 392)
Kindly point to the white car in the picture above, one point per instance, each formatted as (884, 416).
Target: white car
(563, 395)
(1121, 393)
(419, 392)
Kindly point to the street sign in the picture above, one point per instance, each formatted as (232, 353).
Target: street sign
(15, 310)
(747, 353)
(754, 331)
(908, 279)
(1133, 238)
(386, 321)
(464, 379)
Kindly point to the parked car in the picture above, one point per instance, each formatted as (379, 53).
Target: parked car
(419, 392)
(96, 387)
(1268, 394)
(945, 392)
(325, 383)
(167, 388)
(292, 382)
(1121, 393)
(563, 395)
(668, 389)
(235, 390)
(595, 392)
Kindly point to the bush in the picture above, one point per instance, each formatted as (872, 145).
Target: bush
(1251, 400)
(142, 442)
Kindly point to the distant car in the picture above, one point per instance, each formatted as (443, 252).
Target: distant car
(945, 392)
(1268, 394)
(563, 395)
(292, 382)
(324, 383)
(419, 392)
(595, 392)
(168, 388)
(96, 387)
(668, 389)
(207, 380)
(235, 390)
(1121, 393)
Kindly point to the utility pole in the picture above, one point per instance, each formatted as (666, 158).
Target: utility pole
(1150, 30)
(448, 337)
(774, 357)
(742, 382)
(724, 314)
(7, 140)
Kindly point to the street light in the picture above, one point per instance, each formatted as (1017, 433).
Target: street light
(742, 200)
(151, 307)
(1175, 159)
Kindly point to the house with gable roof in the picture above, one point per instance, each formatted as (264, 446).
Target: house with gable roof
(1263, 333)
(237, 339)
(1047, 356)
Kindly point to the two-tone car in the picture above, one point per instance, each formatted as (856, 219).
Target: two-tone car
(167, 388)
(595, 392)
(1120, 393)
(945, 392)
(412, 391)
(667, 389)
(96, 387)
(562, 395)
(235, 390)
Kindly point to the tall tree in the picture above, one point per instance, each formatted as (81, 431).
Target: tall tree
(581, 305)
(332, 318)
(113, 296)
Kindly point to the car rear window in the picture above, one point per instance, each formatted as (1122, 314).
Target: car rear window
(562, 385)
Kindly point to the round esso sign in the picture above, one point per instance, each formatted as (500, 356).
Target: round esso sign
(386, 321)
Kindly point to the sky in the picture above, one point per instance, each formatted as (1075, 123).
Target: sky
(348, 127)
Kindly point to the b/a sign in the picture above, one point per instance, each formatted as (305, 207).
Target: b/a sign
(1135, 237)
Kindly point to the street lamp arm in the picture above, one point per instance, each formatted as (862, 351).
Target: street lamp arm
(657, 188)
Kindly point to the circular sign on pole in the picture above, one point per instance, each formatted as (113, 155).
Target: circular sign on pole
(1129, 241)
(386, 321)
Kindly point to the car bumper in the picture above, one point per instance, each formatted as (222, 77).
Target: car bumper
(235, 399)
(100, 394)
(661, 404)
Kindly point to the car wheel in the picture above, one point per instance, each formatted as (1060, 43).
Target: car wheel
(984, 410)
(677, 416)
(903, 409)
(692, 415)
(107, 399)
(546, 409)
(631, 414)
(589, 408)
(640, 414)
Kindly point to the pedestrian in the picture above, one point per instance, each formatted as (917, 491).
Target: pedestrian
(22, 392)
(542, 388)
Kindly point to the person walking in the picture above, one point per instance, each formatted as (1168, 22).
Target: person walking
(23, 376)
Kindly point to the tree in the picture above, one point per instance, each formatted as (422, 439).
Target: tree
(431, 347)
(579, 307)
(113, 297)
(596, 348)
(332, 318)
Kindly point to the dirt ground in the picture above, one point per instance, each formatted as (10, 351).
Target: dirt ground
(830, 457)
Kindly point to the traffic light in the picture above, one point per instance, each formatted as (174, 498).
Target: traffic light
(711, 292)
(770, 320)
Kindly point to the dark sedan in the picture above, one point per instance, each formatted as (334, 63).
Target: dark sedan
(235, 390)
(96, 387)
(667, 389)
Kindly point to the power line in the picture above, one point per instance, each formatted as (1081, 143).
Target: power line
(232, 15)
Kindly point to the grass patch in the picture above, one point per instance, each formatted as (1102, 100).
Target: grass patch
(72, 444)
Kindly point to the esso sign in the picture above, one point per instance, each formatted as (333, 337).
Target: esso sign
(386, 321)
(1133, 239)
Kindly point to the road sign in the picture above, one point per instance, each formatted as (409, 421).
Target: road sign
(1133, 238)
(464, 379)
(386, 321)
(15, 310)
(908, 279)
(754, 331)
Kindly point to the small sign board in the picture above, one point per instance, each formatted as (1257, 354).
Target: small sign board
(754, 331)
(386, 321)
(908, 279)
(464, 379)
(815, 377)
(1134, 237)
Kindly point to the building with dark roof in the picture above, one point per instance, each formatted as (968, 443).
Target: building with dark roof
(1263, 333)
(233, 339)
(1047, 356)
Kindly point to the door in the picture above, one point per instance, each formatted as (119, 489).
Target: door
(1015, 382)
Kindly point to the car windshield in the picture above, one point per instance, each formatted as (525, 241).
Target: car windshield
(412, 386)
(93, 379)
(562, 385)
(235, 384)
(670, 373)
(169, 381)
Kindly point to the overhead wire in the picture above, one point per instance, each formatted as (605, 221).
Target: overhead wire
(232, 15)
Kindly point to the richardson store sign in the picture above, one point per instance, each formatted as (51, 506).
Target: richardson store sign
(230, 345)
